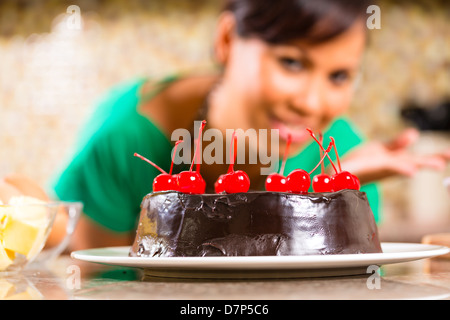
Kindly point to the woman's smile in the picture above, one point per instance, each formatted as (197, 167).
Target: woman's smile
(297, 130)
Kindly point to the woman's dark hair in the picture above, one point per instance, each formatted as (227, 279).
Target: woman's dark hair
(280, 21)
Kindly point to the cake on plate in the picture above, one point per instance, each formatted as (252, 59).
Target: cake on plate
(178, 219)
(175, 224)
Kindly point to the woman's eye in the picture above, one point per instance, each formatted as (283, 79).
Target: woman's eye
(291, 64)
(339, 77)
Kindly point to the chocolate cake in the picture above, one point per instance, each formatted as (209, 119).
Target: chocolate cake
(175, 224)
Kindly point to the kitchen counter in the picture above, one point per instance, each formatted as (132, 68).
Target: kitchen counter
(67, 278)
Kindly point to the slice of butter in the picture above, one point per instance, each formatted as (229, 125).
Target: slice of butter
(24, 225)
(39, 242)
(18, 236)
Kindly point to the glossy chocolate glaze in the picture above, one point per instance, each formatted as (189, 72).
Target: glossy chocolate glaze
(174, 224)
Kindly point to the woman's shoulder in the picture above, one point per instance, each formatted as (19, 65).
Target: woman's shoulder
(125, 96)
(116, 121)
(137, 110)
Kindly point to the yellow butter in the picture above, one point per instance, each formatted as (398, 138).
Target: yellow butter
(38, 243)
(18, 236)
(23, 226)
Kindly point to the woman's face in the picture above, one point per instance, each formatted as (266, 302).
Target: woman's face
(290, 87)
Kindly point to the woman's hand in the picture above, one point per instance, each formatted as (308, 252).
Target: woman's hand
(375, 160)
(14, 185)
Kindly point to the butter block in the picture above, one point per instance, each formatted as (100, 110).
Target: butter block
(24, 225)
(18, 236)
(39, 242)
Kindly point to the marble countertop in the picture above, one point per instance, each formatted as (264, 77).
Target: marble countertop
(66, 278)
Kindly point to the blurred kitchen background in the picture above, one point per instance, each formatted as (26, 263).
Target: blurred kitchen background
(54, 67)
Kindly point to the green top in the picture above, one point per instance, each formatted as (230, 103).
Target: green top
(111, 182)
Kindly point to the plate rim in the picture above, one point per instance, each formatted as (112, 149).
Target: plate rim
(265, 262)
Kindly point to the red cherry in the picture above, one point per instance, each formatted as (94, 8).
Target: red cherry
(165, 182)
(341, 179)
(191, 182)
(276, 182)
(322, 183)
(345, 180)
(162, 182)
(356, 182)
(298, 181)
(236, 181)
(232, 181)
(219, 185)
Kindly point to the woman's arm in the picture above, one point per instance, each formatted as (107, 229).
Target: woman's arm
(89, 234)
(373, 161)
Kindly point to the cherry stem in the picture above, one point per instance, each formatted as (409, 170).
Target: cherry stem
(323, 158)
(153, 164)
(232, 151)
(322, 166)
(197, 146)
(286, 151)
(337, 155)
(173, 156)
(322, 148)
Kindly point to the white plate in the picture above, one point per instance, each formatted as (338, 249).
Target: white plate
(262, 266)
